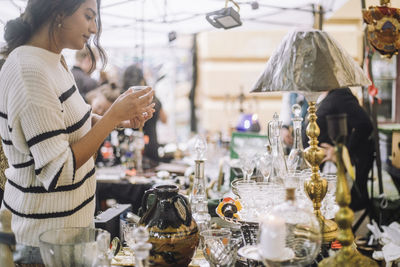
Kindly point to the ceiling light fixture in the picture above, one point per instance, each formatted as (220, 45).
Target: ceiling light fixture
(225, 18)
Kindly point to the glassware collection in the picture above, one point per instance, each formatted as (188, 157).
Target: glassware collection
(284, 231)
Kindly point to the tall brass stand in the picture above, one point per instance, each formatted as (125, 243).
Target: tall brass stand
(316, 187)
(347, 255)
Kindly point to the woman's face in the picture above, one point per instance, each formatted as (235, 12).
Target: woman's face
(78, 28)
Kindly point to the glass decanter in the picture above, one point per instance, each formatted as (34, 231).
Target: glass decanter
(278, 163)
(198, 198)
(296, 161)
(289, 235)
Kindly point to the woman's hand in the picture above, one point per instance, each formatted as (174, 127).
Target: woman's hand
(137, 122)
(135, 107)
(329, 152)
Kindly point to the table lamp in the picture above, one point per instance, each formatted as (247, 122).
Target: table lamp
(308, 62)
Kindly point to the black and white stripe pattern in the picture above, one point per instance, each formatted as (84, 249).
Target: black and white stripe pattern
(51, 214)
(3, 115)
(43, 136)
(63, 188)
(24, 164)
(67, 94)
(41, 115)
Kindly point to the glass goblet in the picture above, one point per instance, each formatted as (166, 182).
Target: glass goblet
(218, 248)
(264, 165)
(245, 190)
(129, 237)
(329, 207)
(247, 164)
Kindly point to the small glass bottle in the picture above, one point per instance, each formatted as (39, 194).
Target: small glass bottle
(296, 161)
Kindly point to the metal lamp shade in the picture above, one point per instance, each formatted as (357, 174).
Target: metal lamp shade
(310, 61)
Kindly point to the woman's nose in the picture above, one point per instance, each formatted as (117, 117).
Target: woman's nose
(93, 27)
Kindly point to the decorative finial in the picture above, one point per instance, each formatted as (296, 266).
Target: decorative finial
(296, 110)
(200, 147)
(275, 117)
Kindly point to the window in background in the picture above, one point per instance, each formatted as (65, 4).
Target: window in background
(384, 72)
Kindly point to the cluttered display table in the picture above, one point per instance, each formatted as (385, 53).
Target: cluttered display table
(282, 211)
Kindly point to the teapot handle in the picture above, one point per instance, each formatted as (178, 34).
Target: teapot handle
(146, 195)
(188, 219)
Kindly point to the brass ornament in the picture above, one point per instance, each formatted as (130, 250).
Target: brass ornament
(383, 28)
(347, 256)
(316, 187)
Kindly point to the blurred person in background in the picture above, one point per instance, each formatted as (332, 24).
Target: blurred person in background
(49, 134)
(82, 70)
(133, 75)
(359, 142)
(102, 98)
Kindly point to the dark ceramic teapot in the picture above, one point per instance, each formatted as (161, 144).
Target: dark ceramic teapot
(173, 232)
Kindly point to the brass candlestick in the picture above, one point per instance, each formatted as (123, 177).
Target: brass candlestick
(348, 255)
(316, 187)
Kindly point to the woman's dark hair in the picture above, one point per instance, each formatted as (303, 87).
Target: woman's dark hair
(38, 12)
(133, 75)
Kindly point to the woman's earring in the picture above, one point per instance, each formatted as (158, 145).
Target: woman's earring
(59, 25)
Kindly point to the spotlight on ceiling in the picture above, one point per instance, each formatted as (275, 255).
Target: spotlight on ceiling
(225, 18)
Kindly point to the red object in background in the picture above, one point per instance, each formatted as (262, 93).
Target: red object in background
(131, 172)
(107, 151)
(336, 245)
(228, 199)
(146, 139)
(372, 89)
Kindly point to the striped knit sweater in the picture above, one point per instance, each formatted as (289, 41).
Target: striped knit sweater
(41, 115)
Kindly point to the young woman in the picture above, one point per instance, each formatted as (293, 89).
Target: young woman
(48, 132)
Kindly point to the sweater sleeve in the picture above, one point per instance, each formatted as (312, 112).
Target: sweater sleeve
(41, 125)
(47, 140)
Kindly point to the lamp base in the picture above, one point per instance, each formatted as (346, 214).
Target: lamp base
(348, 258)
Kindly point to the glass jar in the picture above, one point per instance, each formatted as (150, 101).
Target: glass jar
(289, 235)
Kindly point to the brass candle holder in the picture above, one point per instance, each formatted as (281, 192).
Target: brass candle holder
(347, 255)
(316, 187)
